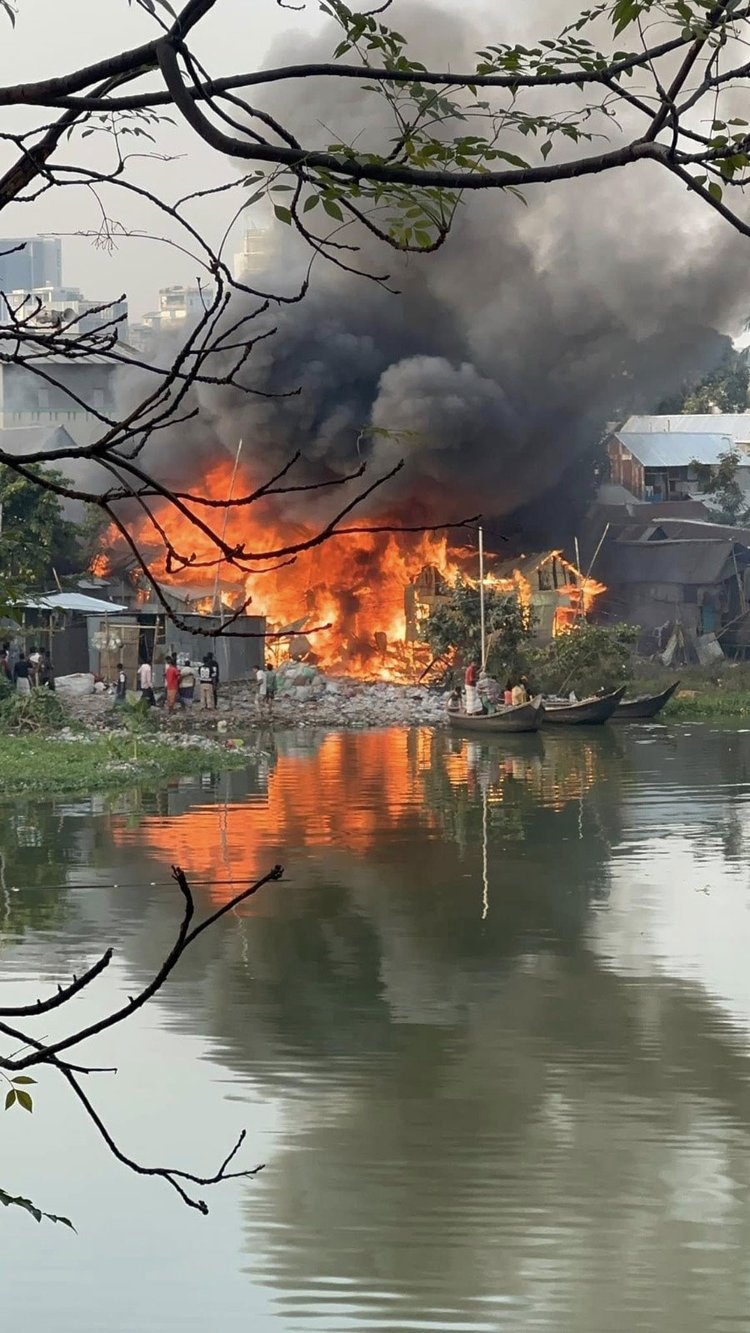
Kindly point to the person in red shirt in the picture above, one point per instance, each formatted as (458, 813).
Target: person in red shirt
(473, 704)
(172, 682)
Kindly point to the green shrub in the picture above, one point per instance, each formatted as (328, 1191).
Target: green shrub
(39, 710)
(137, 717)
(586, 658)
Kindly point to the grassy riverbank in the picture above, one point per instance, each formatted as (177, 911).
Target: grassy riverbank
(48, 763)
(722, 692)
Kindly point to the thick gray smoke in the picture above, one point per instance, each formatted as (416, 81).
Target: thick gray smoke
(502, 358)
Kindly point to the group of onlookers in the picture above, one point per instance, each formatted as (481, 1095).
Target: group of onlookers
(27, 672)
(179, 681)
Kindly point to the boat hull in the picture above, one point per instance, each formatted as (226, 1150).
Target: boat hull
(588, 712)
(647, 706)
(525, 717)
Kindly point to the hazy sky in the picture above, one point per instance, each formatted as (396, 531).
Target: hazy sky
(55, 36)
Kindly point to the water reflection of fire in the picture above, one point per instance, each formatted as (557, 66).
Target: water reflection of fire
(344, 796)
(355, 583)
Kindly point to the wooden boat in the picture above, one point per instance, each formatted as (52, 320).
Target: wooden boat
(587, 712)
(644, 706)
(524, 717)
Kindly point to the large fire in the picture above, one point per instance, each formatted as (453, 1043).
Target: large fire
(352, 584)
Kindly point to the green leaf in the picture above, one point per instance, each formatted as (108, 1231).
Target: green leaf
(311, 202)
(24, 1100)
(17, 1201)
(546, 149)
(23, 1078)
(283, 214)
(10, 1098)
(715, 190)
(333, 210)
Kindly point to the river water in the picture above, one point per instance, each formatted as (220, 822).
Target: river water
(490, 1038)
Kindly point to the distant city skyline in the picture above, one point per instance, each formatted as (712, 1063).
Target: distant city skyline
(46, 42)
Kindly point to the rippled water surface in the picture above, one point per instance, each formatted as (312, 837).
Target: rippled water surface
(490, 1038)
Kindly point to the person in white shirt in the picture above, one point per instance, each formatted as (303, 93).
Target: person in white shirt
(187, 683)
(262, 681)
(145, 683)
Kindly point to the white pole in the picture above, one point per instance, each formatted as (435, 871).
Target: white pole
(481, 596)
(224, 529)
(485, 876)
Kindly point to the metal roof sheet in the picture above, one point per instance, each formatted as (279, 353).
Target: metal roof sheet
(674, 448)
(680, 562)
(736, 424)
(74, 601)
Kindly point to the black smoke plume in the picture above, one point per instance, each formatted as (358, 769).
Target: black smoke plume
(502, 358)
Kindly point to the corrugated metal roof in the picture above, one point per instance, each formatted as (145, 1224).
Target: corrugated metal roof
(680, 562)
(735, 424)
(687, 529)
(74, 601)
(674, 448)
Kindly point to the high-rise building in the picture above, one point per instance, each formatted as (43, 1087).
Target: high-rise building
(180, 308)
(30, 261)
(67, 305)
(255, 256)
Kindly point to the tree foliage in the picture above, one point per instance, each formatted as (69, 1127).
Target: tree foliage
(722, 487)
(584, 659)
(455, 628)
(35, 538)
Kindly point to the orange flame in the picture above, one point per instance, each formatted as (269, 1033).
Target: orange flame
(354, 584)
(101, 565)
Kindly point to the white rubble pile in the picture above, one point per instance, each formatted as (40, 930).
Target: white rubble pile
(75, 686)
(306, 697)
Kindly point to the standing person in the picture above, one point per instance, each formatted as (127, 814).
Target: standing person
(187, 684)
(21, 675)
(270, 674)
(260, 677)
(146, 683)
(172, 682)
(33, 661)
(121, 688)
(5, 662)
(470, 686)
(206, 686)
(214, 665)
(45, 670)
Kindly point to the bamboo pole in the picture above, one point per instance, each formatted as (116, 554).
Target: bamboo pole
(224, 527)
(481, 598)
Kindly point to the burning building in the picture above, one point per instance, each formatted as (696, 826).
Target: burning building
(354, 604)
(551, 589)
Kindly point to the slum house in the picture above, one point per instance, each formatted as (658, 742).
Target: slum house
(148, 633)
(654, 457)
(90, 634)
(67, 623)
(699, 585)
(546, 584)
